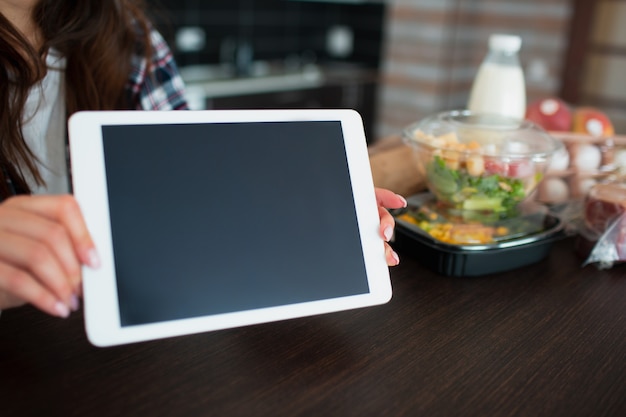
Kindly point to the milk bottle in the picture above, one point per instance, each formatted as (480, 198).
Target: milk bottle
(499, 86)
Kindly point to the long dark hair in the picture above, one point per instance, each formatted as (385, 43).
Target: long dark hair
(97, 37)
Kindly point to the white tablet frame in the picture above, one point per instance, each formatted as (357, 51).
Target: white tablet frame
(101, 312)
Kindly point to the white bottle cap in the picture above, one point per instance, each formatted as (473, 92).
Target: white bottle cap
(509, 43)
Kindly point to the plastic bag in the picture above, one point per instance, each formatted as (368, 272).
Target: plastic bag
(610, 248)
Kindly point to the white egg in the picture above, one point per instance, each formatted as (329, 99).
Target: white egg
(586, 157)
(582, 186)
(553, 190)
(559, 161)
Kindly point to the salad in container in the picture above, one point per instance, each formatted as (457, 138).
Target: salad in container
(483, 162)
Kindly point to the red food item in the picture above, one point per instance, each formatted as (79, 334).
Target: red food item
(592, 121)
(513, 169)
(550, 113)
(493, 166)
(603, 204)
(520, 169)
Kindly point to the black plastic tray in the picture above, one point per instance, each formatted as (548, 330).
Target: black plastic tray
(475, 260)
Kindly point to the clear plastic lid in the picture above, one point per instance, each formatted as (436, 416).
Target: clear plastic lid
(493, 134)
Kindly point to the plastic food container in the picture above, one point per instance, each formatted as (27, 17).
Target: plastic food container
(604, 220)
(480, 161)
(479, 246)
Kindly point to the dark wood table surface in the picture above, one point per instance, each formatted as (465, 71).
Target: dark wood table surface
(547, 339)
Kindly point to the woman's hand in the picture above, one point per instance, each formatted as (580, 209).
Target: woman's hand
(388, 199)
(43, 243)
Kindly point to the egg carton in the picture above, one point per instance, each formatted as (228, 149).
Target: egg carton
(584, 161)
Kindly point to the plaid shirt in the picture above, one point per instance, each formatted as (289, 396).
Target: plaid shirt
(158, 86)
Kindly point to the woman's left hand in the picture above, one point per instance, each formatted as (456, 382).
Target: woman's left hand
(387, 199)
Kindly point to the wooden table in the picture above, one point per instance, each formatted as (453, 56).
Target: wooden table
(545, 340)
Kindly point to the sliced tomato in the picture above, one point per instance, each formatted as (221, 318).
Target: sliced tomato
(514, 169)
(520, 169)
(493, 166)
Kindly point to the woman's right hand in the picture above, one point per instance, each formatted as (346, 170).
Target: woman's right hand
(43, 243)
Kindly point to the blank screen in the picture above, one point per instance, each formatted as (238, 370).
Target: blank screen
(216, 218)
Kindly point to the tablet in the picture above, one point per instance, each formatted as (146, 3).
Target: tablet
(206, 220)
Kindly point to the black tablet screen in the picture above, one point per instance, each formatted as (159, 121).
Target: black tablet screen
(215, 218)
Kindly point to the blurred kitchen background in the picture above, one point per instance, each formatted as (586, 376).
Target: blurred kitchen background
(394, 61)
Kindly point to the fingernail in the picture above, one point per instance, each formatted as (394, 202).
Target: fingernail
(395, 257)
(404, 202)
(93, 258)
(61, 310)
(74, 302)
(388, 233)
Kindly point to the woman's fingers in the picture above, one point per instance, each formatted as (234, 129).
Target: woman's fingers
(65, 211)
(37, 261)
(24, 224)
(16, 284)
(43, 242)
(392, 257)
(389, 199)
(387, 224)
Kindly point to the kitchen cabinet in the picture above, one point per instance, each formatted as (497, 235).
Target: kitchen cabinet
(318, 97)
(595, 59)
(357, 94)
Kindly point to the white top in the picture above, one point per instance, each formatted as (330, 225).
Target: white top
(44, 127)
(507, 43)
